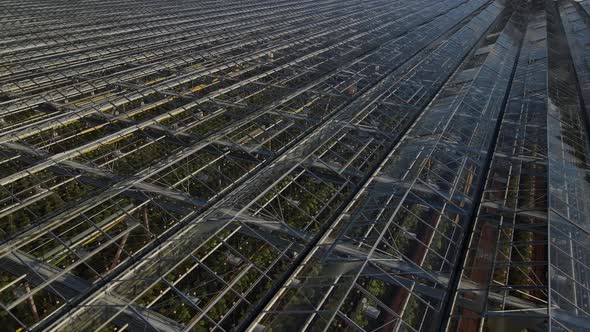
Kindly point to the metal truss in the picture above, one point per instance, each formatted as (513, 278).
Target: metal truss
(276, 165)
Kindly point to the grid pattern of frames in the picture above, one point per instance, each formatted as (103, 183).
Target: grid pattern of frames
(294, 165)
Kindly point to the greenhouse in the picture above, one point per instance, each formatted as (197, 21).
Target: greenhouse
(274, 165)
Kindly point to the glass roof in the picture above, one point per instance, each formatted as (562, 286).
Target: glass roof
(264, 165)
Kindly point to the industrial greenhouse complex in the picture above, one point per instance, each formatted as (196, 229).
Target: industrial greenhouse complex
(276, 165)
